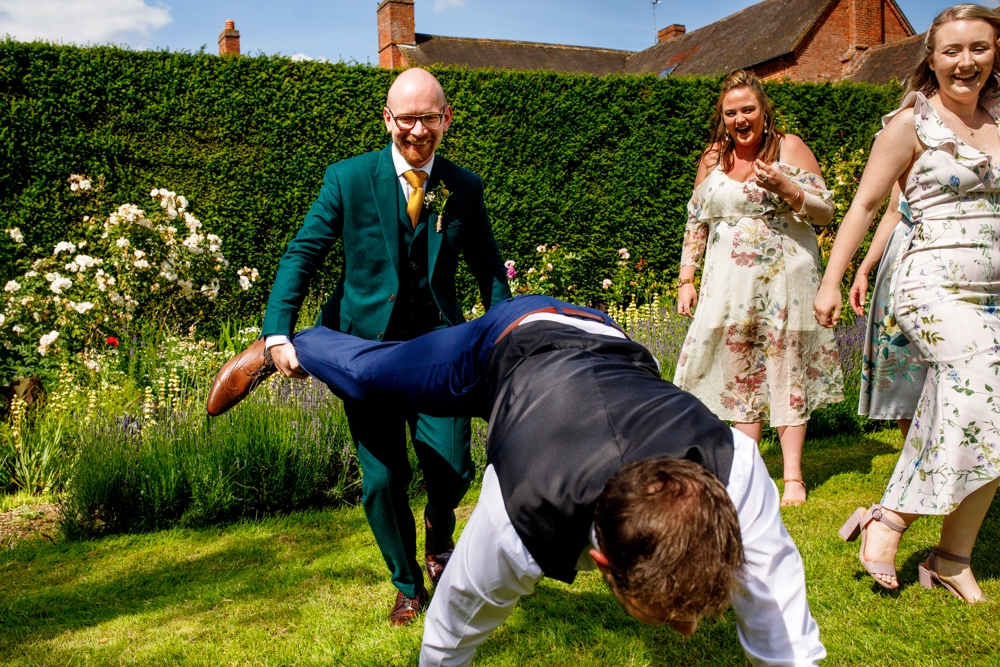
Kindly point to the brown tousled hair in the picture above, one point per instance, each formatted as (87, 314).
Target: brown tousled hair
(721, 145)
(922, 78)
(671, 536)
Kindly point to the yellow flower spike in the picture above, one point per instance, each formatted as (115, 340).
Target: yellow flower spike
(17, 411)
(148, 402)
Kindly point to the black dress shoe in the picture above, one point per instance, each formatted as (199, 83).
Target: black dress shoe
(406, 609)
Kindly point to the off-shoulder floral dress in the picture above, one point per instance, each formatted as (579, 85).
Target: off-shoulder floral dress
(946, 293)
(754, 350)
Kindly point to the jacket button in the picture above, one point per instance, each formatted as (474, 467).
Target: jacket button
(392, 297)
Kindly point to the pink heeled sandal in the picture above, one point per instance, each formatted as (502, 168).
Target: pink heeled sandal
(857, 525)
(929, 576)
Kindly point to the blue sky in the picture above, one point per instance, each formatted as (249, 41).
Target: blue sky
(346, 29)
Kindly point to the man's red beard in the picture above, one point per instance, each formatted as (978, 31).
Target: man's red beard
(416, 155)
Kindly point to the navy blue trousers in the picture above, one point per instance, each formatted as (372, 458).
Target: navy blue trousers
(433, 374)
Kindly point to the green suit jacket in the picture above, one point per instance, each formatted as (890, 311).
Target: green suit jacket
(362, 202)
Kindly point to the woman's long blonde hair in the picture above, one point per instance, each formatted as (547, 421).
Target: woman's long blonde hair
(721, 143)
(922, 78)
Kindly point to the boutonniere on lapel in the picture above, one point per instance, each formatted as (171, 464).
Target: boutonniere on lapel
(436, 200)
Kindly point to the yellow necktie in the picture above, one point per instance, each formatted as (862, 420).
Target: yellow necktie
(416, 180)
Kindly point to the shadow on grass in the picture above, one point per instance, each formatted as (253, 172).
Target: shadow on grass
(150, 576)
(827, 457)
(565, 625)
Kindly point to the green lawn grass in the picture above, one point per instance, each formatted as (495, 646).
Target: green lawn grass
(311, 589)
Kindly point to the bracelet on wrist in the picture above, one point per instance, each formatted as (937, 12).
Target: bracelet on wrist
(684, 281)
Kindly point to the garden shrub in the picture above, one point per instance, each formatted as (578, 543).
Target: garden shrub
(112, 269)
(591, 164)
(287, 447)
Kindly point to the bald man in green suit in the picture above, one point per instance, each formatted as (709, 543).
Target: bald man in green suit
(401, 250)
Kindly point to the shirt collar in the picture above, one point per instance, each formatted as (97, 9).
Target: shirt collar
(402, 166)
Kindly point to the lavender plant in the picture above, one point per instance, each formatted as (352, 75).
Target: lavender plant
(287, 447)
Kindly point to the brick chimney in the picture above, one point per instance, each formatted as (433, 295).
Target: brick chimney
(867, 27)
(229, 40)
(668, 33)
(395, 26)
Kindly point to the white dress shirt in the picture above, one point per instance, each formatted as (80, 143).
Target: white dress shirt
(402, 166)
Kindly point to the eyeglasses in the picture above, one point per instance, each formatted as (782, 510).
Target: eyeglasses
(431, 121)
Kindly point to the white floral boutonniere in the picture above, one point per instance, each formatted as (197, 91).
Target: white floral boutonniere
(436, 200)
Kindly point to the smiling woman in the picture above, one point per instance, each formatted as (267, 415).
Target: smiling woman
(753, 351)
(942, 148)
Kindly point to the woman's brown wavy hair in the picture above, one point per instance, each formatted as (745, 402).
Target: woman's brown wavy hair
(922, 78)
(770, 149)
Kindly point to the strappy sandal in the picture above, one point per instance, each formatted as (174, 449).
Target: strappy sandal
(929, 576)
(858, 525)
(794, 502)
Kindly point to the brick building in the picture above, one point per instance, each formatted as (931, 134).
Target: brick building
(800, 40)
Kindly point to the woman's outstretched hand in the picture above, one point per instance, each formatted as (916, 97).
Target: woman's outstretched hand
(859, 290)
(827, 306)
(687, 299)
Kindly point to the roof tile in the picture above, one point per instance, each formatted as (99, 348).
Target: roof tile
(508, 54)
(750, 37)
(882, 64)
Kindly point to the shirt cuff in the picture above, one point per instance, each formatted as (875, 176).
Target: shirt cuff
(275, 339)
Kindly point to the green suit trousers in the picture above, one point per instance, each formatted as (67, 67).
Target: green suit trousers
(442, 448)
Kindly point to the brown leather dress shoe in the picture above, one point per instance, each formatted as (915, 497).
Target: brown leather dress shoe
(406, 609)
(437, 553)
(239, 376)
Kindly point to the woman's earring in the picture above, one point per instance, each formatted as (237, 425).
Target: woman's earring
(765, 125)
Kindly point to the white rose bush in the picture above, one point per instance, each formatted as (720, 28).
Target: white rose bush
(153, 262)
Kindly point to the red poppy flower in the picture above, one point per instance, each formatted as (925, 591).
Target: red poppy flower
(112, 341)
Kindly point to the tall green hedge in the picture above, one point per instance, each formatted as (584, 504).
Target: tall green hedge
(592, 163)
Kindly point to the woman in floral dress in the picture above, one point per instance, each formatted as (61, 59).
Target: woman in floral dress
(892, 372)
(753, 351)
(943, 147)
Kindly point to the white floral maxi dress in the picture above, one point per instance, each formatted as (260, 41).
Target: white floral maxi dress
(754, 350)
(946, 291)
